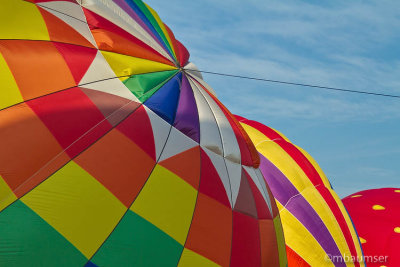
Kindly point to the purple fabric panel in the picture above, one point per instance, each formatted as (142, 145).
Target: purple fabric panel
(187, 117)
(123, 5)
(304, 212)
(283, 190)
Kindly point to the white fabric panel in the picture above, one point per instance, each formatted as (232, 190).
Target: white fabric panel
(210, 136)
(71, 14)
(206, 85)
(177, 143)
(229, 141)
(235, 177)
(100, 70)
(219, 164)
(112, 12)
(259, 180)
(161, 131)
(192, 69)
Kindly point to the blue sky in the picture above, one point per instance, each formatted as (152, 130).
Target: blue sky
(350, 44)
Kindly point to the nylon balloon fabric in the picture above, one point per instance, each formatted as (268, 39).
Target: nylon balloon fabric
(376, 215)
(318, 230)
(112, 154)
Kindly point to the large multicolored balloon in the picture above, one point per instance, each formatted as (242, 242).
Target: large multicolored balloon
(317, 228)
(112, 154)
(376, 215)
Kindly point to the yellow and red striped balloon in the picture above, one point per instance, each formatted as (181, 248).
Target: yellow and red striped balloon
(318, 230)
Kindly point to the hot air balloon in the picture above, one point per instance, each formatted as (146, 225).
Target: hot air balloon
(115, 152)
(317, 228)
(376, 216)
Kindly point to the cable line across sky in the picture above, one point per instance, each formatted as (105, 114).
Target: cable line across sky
(297, 84)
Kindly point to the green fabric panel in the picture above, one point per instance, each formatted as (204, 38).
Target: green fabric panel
(27, 240)
(143, 86)
(136, 242)
(153, 22)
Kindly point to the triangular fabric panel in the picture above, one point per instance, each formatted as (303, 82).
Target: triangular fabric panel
(72, 118)
(138, 128)
(245, 201)
(187, 117)
(263, 210)
(235, 177)
(110, 37)
(259, 181)
(125, 66)
(209, 131)
(71, 14)
(186, 165)
(164, 102)
(114, 108)
(145, 85)
(78, 58)
(100, 77)
(212, 184)
(177, 143)
(60, 31)
(148, 19)
(161, 130)
(116, 13)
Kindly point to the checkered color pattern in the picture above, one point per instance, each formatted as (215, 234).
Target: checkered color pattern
(114, 152)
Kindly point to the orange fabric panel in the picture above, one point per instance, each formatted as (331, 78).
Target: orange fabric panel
(59, 31)
(186, 165)
(28, 149)
(119, 164)
(211, 230)
(294, 260)
(112, 42)
(269, 245)
(38, 67)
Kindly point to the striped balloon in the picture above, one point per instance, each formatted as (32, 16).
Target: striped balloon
(317, 228)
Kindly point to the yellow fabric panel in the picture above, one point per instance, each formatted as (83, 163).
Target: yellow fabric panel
(123, 65)
(21, 20)
(274, 153)
(283, 136)
(319, 205)
(279, 205)
(6, 195)
(302, 242)
(299, 179)
(77, 206)
(350, 223)
(192, 259)
(9, 93)
(281, 245)
(161, 24)
(316, 166)
(255, 135)
(168, 202)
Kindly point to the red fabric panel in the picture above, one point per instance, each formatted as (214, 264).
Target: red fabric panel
(72, 118)
(110, 37)
(210, 182)
(139, 129)
(246, 249)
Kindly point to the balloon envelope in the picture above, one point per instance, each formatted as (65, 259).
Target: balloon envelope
(376, 216)
(112, 154)
(317, 228)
